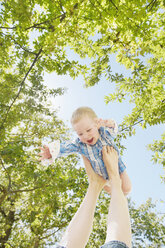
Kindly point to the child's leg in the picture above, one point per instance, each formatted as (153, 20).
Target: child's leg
(126, 183)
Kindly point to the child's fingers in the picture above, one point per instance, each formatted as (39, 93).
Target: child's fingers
(41, 148)
(41, 154)
(44, 147)
(100, 122)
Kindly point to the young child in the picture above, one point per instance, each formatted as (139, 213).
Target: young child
(93, 134)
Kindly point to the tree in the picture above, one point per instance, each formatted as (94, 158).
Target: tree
(35, 36)
(158, 147)
(40, 32)
(36, 203)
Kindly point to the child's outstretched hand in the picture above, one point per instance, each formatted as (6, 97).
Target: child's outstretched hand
(45, 153)
(106, 123)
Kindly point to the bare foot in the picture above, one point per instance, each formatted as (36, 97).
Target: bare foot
(93, 178)
(110, 158)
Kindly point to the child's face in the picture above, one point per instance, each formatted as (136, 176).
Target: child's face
(87, 130)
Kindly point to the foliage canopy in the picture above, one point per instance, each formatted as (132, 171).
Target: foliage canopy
(35, 204)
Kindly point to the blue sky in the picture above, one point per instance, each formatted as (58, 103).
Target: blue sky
(145, 175)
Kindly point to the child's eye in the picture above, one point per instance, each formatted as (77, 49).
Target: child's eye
(89, 130)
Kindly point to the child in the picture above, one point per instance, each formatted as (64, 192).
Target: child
(93, 134)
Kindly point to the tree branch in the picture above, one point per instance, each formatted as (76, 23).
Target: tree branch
(8, 27)
(37, 25)
(9, 220)
(60, 3)
(27, 190)
(21, 86)
(151, 4)
(95, 7)
(47, 236)
(127, 128)
(114, 4)
(6, 192)
(23, 48)
(8, 175)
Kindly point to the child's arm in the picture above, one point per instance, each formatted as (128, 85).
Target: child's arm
(56, 149)
(111, 124)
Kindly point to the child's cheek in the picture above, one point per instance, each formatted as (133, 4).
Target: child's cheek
(81, 139)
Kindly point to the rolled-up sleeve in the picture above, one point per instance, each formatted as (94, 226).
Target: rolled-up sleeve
(58, 149)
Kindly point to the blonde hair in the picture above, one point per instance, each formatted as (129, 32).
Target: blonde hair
(81, 112)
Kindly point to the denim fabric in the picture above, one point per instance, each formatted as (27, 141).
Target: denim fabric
(59, 246)
(111, 244)
(114, 244)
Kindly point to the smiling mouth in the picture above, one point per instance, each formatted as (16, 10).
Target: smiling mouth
(90, 141)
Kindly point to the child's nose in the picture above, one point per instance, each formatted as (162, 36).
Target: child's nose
(86, 135)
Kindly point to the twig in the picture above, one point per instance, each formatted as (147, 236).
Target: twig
(151, 3)
(27, 190)
(132, 125)
(47, 236)
(23, 48)
(8, 27)
(95, 7)
(114, 4)
(36, 25)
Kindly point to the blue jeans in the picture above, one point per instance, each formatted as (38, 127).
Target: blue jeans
(114, 244)
(111, 244)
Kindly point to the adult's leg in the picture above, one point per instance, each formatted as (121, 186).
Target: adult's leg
(118, 224)
(79, 229)
(125, 183)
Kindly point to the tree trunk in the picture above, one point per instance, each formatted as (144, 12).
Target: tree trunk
(9, 223)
